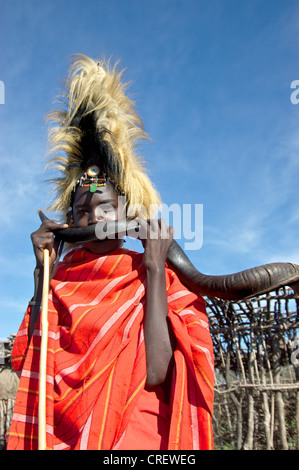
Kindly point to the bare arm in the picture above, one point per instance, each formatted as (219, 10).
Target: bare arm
(158, 335)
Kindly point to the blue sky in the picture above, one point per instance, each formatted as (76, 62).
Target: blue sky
(211, 80)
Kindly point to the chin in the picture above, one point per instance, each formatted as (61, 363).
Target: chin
(103, 246)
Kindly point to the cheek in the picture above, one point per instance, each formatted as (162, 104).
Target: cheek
(105, 214)
(109, 216)
(80, 221)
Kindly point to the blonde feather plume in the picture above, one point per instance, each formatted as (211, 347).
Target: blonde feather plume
(96, 88)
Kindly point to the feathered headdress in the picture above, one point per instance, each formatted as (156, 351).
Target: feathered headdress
(99, 125)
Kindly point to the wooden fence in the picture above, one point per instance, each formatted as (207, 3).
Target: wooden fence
(256, 350)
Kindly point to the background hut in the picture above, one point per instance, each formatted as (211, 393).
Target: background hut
(8, 388)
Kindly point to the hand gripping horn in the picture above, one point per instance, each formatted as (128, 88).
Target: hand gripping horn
(241, 285)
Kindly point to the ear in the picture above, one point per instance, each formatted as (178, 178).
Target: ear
(69, 217)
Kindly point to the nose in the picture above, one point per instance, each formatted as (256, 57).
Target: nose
(95, 216)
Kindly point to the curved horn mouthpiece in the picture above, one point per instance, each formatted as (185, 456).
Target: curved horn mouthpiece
(237, 286)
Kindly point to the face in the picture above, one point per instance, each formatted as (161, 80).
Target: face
(100, 206)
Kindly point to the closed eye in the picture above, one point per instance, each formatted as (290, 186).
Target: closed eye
(106, 207)
(82, 211)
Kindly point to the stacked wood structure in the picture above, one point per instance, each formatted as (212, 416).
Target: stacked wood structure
(256, 349)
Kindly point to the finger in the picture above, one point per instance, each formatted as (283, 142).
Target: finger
(171, 232)
(46, 241)
(164, 229)
(52, 225)
(141, 232)
(153, 231)
(39, 250)
(42, 216)
(166, 232)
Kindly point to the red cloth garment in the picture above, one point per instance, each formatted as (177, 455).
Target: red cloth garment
(96, 367)
(148, 427)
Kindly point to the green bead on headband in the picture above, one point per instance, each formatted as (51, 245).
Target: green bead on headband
(92, 178)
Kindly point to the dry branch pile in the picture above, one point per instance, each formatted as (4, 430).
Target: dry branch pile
(256, 349)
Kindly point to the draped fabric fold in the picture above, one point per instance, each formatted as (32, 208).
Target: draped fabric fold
(96, 368)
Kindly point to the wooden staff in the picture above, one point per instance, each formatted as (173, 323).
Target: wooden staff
(42, 444)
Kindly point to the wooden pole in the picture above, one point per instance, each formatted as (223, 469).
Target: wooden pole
(42, 445)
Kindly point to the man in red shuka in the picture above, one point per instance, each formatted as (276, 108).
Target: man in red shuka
(129, 360)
